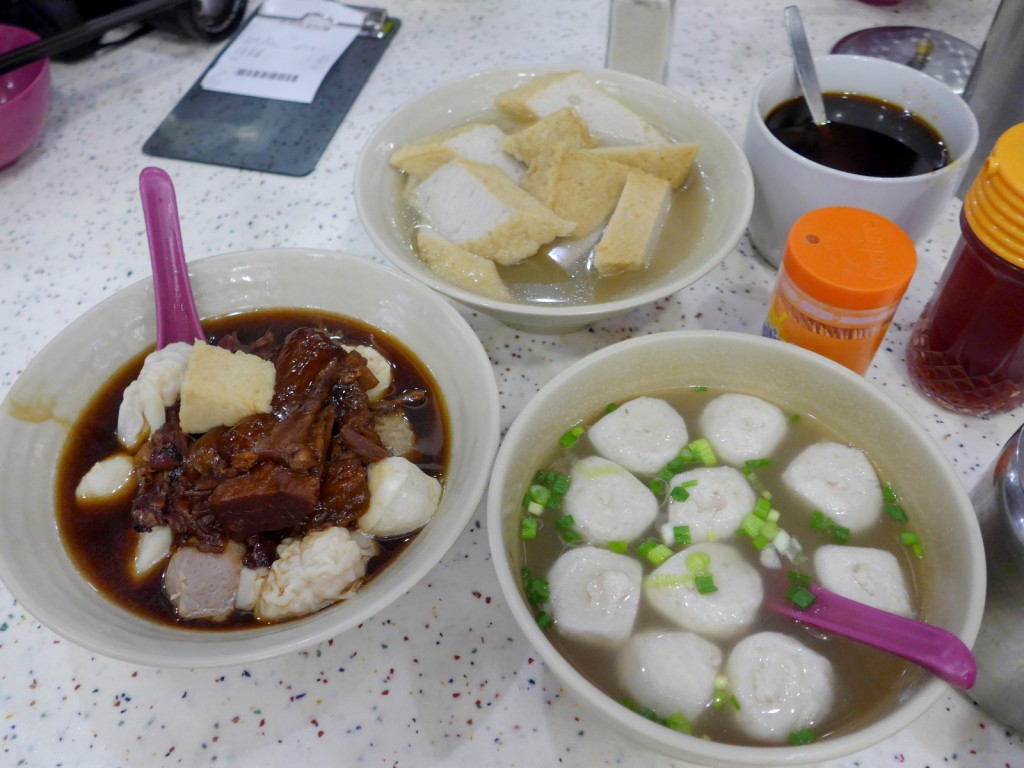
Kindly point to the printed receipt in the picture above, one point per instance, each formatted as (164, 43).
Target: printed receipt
(279, 59)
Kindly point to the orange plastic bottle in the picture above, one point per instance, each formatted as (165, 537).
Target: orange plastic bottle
(843, 274)
(967, 349)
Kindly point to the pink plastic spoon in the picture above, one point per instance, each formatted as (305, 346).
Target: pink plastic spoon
(933, 648)
(176, 315)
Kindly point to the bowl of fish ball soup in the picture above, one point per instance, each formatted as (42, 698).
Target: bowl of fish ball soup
(656, 502)
(255, 491)
(552, 198)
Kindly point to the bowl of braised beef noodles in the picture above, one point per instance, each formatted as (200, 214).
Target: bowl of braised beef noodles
(551, 197)
(256, 492)
(654, 501)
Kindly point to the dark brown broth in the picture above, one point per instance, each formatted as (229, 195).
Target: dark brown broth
(101, 541)
(864, 135)
(868, 681)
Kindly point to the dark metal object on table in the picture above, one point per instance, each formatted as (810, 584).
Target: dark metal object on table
(78, 31)
(946, 58)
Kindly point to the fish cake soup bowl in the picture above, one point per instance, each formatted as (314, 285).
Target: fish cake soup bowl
(58, 384)
(953, 570)
(721, 169)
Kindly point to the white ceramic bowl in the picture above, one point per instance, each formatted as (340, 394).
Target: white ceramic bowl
(54, 388)
(722, 165)
(799, 380)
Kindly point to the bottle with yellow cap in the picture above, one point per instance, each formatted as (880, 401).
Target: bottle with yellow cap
(843, 274)
(967, 349)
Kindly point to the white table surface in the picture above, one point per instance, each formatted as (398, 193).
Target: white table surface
(442, 677)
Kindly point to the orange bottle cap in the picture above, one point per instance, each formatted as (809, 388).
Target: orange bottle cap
(849, 258)
(994, 205)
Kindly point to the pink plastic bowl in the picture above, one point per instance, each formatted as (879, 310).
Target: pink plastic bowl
(24, 98)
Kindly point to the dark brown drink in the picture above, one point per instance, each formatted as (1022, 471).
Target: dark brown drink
(864, 135)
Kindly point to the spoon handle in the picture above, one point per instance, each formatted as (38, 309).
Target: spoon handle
(805, 71)
(931, 647)
(176, 315)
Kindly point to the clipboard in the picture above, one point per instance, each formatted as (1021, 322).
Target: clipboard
(267, 135)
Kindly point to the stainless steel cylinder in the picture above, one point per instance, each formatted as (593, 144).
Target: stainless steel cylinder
(994, 87)
(999, 650)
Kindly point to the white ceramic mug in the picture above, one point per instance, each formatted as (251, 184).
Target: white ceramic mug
(788, 185)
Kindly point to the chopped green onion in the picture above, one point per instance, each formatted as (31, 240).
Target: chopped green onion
(698, 388)
(698, 562)
(565, 522)
(735, 702)
(751, 525)
(544, 620)
(560, 485)
(820, 521)
(681, 534)
(568, 440)
(570, 536)
(618, 546)
(801, 737)
(528, 528)
(718, 701)
(896, 512)
(705, 583)
(611, 407)
(537, 590)
(657, 486)
(646, 546)
(888, 493)
(773, 516)
(540, 494)
(918, 551)
(669, 580)
(799, 578)
(677, 722)
(539, 478)
(908, 538)
(535, 509)
(762, 507)
(841, 534)
(769, 531)
(666, 474)
(721, 682)
(751, 464)
(793, 418)
(677, 465)
(658, 554)
(800, 596)
(679, 493)
(703, 451)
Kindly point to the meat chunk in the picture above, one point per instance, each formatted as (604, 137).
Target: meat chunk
(270, 498)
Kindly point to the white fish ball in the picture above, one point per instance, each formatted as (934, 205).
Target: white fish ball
(595, 594)
(152, 548)
(725, 613)
(106, 479)
(670, 671)
(607, 502)
(715, 506)
(642, 435)
(742, 427)
(838, 480)
(865, 574)
(403, 498)
(781, 685)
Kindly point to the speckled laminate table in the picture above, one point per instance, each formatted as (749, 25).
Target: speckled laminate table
(442, 677)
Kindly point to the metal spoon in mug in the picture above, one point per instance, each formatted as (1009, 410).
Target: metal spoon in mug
(176, 315)
(806, 74)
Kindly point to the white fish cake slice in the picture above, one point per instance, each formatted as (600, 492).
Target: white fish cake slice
(607, 502)
(723, 614)
(203, 585)
(403, 498)
(595, 594)
(865, 574)
(781, 685)
(742, 427)
(642, 435)
(838, 480)
(715, 506)
(670, 671)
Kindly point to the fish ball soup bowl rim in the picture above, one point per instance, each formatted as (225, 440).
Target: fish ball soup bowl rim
(723, 167)
(799, 381)
(48, 397)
